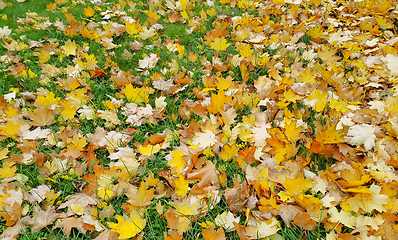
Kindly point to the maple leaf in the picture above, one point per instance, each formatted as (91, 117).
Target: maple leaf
(132, 28)
(245, 50)
(38, 194)
(263, 229)
(207, 175)
(8, 170)
(288, 213)
(182, 186)
(137, 95)
(68, 223)
(13, 232)
(88, 11)
(218, 101)
(44, 56)
(5, 32)
(11, 128)
(297, 185)
(142, 197)
(203, 140)
(226, 220)
(69, 48)
(210, 234)
(236, 197)
(147, 33)
(149, 149)
(128, 227)
(51, 6)
(304, 221)
(41, 117)
(107, 235)
(149, 61)
(176, 161)
(362, 134)
(343, 217)
(40, 218)
(80, 198)
(219, 44)
(187, 206)
(392, 62)
(228, 152)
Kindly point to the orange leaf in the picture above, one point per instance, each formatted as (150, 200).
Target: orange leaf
(51, 6)
(88, 11)
(304, 221)
(211, 234)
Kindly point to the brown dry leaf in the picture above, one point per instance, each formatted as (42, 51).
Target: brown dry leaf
(236, 197)
(68, 223)
(40, 218)
(80, 198)
(136, 45)
(304, 221)
(107, 235)
(41, 117)
(13, 232)
(207, 174)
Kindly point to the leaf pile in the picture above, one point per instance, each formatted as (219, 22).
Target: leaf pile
(234, 117)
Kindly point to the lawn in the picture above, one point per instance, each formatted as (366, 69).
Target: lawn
(217, 119)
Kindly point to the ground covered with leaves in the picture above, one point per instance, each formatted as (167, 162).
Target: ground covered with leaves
(224, 119)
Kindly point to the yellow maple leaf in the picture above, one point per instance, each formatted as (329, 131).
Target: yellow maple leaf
(51, 6)
(88, 11)
(69, 48)
(193, 57)
(10, 128)
(47, 100)
(68, 112)
(44, 56)
(218, 101)
(245, 51)
(176, 162)
(76, 142)
(90, 34)
(128, 227)
(133, 28)
(8, 170)
(297, 185)
(105, 194)
(149, 149)
(137, 95)
(307, 76)
(224, 83)
(77, 208)
(185, 207)
(228, 152)
(292, 131)
(219, 44)
(278, 2)
(321, 97)
(291, 96)
(3, 153)
(182, 186)
(183, 4)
